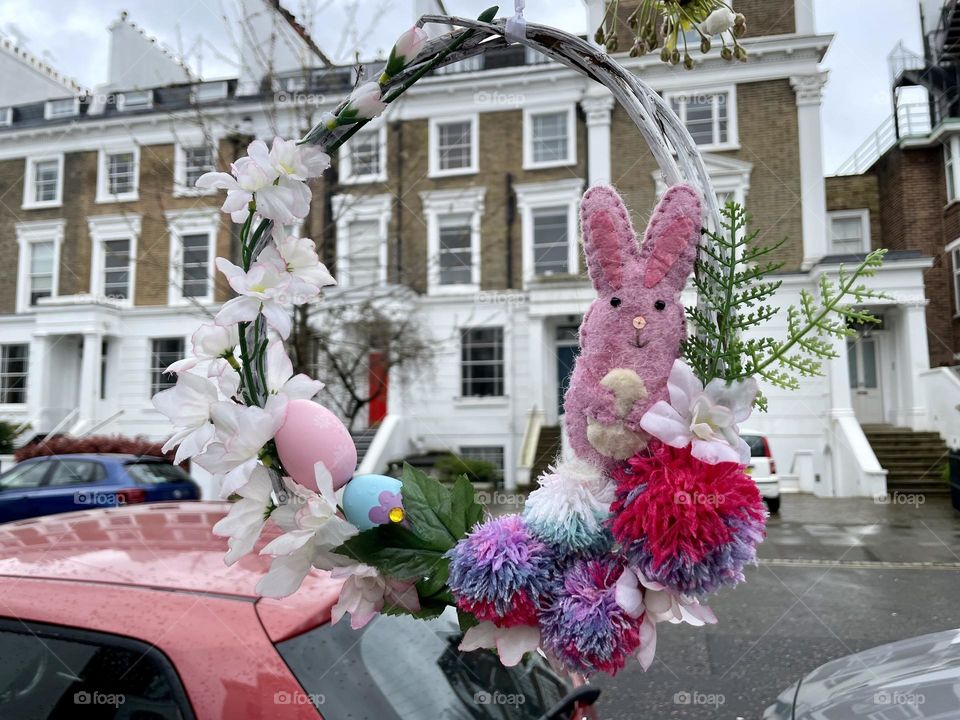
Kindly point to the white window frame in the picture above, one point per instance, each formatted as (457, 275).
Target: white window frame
(460, 201)
(529, 163)
(113, 227)
(209, 92)
(862, 214)
(191, 222)
(180, 187)
(434, 145)
(172, 378)
(535, 196)
(733, 130)
(124, 98)
(6, 116)
(29, 185)
(953, 250)
(348, 209)
(29, 380)
(103, 186)
(505, 356)
(951, 166)
(49, 114)
(29, 233)
(347, 177)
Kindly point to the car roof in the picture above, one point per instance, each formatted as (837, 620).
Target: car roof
(164, 546)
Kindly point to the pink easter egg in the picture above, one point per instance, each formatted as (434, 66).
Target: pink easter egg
(311, 434)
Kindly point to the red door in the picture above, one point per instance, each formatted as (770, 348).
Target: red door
(378, 387)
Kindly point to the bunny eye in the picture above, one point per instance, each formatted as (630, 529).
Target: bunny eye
(660, 305)
(615, 301)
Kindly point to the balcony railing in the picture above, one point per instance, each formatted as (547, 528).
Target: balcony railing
(914, 121)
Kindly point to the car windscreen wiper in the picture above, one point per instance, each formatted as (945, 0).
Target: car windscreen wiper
(583, 695)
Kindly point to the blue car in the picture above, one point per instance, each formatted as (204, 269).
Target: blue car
(65, 483)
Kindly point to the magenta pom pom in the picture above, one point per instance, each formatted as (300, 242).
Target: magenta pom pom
(582, 624)
(684, 523)
(499, 572)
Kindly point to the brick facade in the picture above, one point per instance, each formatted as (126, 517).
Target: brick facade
(855, 192)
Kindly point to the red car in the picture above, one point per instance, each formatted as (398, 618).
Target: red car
(130, 612)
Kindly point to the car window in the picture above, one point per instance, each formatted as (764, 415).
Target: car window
(24, 476)
(757, 446)
(76, 472)
(401, 668)
(155, 473)
(50, 672)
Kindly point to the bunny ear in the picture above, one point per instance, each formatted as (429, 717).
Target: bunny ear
(608, 237)
(670, 245)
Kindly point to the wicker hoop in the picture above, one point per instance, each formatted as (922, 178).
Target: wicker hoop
(669, 141)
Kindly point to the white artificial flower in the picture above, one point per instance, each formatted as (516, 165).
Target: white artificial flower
(300, 259)
(280, 378)
(719, 21)
(366, 591)
(298, 161)
(313, 530)
(365, 102)
(286, 202)
(409, 45)
(264, 288)
(209, 342)
(511, 643)
(248, 515)
(226, 377)
(246, 177)
(707, 417)
(188, 405)
(241, 433)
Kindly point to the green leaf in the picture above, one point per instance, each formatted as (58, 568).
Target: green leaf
(394, 551)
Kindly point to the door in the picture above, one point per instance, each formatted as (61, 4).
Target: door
(567, 347)
(379, 372)
(18, 489)
(864, 360)
(73, 485)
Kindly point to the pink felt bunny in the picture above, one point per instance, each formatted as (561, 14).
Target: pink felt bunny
(632, 332)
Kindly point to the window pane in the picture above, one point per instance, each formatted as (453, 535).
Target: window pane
(481, 363)
(76, 472)
(116, 269)
(24, 475)
(700, 119)
(120, 173)
(363, 254)
(41, 270)
(549, 134)
(492, 454)
(847, 234)
(45, 176)
(164, 352)
(365, 154)
(949, 161)
(197, 161)
(196, 267)
(453, 145)
(550, 242)
(868, 351)
(13, 373)
(852, 368)
(456, 256)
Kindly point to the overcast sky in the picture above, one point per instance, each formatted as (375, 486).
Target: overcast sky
(72, 35)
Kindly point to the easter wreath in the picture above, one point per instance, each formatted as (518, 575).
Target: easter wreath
(651, 513)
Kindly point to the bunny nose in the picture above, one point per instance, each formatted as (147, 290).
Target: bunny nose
(639, 323)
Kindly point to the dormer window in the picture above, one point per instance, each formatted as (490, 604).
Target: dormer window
(138, 100)
(208, 92)
(56, 109)
(6, 117)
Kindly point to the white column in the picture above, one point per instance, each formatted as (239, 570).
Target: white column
(595, 10)
(38, 379)
(804, 16)
(813, 195)
(839, 482)
(90, 377)
(913, 358)
(598, 111)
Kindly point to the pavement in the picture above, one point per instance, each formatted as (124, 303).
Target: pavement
(836, 576)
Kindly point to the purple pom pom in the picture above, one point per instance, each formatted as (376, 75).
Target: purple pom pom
(583, 625)
(499, 572)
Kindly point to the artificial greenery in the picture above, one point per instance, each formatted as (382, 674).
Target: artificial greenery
(733, 279)
(438, 515)
(665, 24)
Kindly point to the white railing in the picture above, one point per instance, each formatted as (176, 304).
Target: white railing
(901, 59)
(392, 442)
(528, 448)
(941, 388)
(914, 121)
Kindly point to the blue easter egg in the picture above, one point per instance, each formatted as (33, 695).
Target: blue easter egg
(371, 500)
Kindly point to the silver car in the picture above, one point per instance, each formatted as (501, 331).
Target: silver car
(916, 679)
